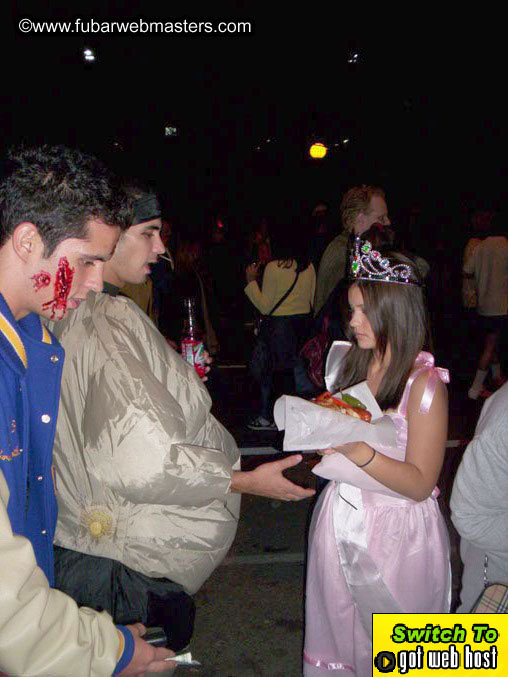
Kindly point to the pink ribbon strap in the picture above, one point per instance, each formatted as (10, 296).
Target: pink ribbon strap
(318, 663)
(424, 362)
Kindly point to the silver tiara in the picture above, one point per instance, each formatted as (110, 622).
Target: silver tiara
(369, 264)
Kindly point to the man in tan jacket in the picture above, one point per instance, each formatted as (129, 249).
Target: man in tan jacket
(149, 480)
(60, 218)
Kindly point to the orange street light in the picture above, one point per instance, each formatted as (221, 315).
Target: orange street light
(318, 151)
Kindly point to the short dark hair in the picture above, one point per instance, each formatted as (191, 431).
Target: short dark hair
(59, 190)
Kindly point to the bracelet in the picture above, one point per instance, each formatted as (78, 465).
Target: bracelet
(370, 459)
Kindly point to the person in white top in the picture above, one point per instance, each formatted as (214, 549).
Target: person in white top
(489, 267)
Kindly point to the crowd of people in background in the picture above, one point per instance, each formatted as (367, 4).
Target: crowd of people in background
(211, 265)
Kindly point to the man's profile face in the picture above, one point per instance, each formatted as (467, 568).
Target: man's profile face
(138, 248)
(61, 281)
(377, 213)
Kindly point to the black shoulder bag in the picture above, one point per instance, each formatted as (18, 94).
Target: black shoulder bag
(260, 361)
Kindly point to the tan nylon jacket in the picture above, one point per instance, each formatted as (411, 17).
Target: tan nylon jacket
(42, 631)
(143, 470)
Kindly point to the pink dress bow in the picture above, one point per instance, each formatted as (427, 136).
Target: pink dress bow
(424, 362)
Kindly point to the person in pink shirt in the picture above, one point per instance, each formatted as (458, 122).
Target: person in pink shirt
(378, 542)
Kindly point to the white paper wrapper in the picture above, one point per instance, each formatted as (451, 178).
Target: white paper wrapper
(338, 467)
(309, 427)
(336, 354)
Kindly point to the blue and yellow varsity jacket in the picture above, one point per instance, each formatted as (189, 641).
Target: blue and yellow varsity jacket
(31, 361)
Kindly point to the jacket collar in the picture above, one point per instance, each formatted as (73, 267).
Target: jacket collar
(110, 289)
(12, 345)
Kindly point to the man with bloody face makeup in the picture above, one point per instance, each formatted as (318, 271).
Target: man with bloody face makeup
(149, 479)
(61, 213)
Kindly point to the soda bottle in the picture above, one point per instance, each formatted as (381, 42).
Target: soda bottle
(193, 350)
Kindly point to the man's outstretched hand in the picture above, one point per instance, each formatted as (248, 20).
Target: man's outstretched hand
(267, 480)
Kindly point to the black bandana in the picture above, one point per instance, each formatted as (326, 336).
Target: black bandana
(146, 208)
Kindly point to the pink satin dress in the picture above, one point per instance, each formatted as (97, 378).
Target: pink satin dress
(371, 552)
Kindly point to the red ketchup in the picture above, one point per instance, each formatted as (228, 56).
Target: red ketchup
(193, 349)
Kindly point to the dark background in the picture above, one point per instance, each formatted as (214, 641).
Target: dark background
(423, 107)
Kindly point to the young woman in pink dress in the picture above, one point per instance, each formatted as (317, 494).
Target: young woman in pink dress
(385, 549)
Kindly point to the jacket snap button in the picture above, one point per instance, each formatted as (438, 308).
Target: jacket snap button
(39, 478)
(54, 358)
(45, 418)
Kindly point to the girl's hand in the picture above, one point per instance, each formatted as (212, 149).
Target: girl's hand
(251, 272)
(329, 451)
(358, 452)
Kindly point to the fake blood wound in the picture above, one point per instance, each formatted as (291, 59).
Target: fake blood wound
(41, 280)
(63, 284)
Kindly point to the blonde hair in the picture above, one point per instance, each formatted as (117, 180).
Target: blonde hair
(357, 201)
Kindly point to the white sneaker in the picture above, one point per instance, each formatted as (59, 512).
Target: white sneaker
(261, 423)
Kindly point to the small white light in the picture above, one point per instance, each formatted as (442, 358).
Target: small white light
(88, 54)
(345, 140)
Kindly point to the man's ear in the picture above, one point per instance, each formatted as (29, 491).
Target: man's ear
(26, 241)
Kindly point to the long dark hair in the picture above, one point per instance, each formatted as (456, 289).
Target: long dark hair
(398, 318)
(290, 244)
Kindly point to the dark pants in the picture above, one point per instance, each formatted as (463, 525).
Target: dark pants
(286, 335)
(107, 585)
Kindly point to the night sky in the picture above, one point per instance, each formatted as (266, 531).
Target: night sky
(423, 107)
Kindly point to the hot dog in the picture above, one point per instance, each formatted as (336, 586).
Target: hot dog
(326, 399)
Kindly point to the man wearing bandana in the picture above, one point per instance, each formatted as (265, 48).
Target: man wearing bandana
(149, 480)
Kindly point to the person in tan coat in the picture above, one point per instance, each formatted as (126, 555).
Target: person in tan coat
(149, 482)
